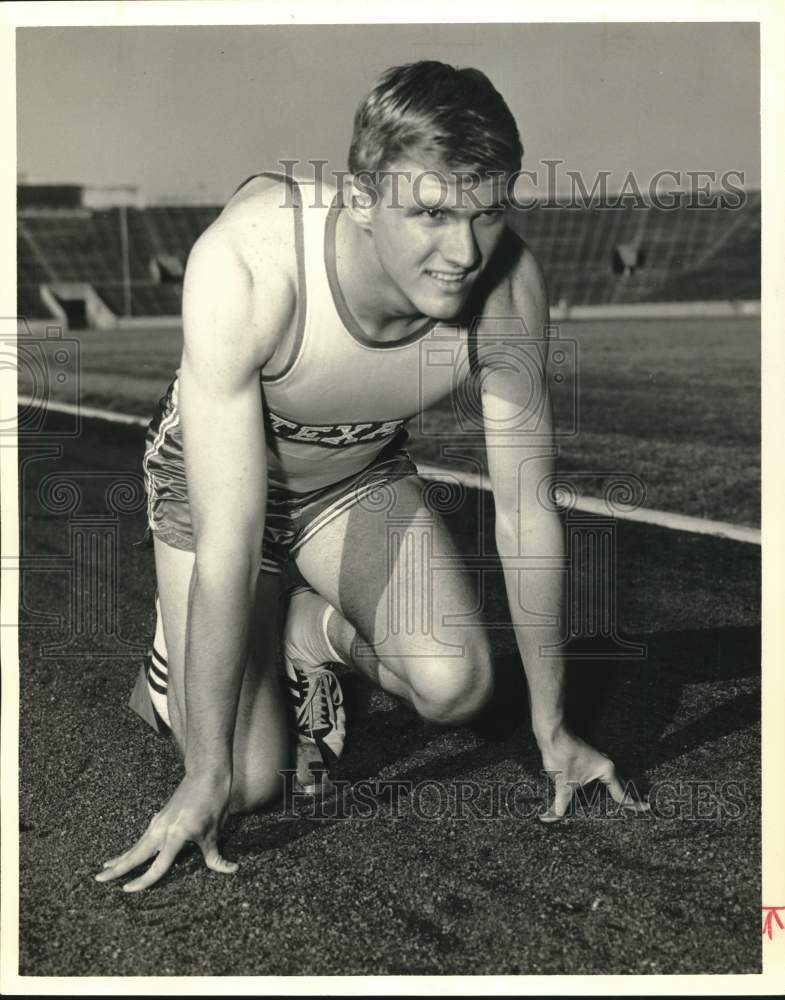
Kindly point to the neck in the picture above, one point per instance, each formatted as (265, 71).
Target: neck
(375, 302)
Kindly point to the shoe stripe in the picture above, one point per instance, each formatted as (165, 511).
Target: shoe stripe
(154, 684)
(161, 675)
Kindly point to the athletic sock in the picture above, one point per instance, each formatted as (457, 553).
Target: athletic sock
(158, 668)
(305, 636)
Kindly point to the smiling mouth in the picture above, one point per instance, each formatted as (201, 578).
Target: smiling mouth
(452, 280)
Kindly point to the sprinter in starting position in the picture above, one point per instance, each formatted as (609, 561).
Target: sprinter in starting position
(316, 323)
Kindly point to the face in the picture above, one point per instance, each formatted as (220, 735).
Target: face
(434, 232)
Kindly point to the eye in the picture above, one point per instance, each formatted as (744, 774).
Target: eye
(433, 213)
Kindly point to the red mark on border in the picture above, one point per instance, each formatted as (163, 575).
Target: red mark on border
(770, 918)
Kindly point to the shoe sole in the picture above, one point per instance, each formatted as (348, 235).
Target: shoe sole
(309, 760)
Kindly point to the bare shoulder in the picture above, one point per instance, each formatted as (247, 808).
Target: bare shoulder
(260, 219)
(516, 296)
(256, 225)
(529, 288)
(518, 286)
(241, 272)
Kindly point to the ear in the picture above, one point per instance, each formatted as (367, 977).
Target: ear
(361, 195)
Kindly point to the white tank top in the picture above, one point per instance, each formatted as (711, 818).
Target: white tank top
(341, 398)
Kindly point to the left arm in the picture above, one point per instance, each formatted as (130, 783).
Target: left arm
(518, 426)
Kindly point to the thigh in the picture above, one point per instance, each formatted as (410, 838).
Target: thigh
(389, 564)
(261, 747)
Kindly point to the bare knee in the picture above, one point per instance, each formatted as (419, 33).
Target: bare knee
(260, 755)
(248, 800)
(253, 788)
(450, 690)
(251, 792)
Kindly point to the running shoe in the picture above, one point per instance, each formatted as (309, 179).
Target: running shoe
(319, 720)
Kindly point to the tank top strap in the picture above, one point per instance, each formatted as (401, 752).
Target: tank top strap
(320, 307)
(313, 292)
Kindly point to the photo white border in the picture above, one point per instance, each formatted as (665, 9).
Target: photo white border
(771, 15)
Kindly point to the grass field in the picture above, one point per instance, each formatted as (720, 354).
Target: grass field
(675, 891)
(675, 402)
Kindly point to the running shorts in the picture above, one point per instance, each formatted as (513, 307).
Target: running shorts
(291, 519)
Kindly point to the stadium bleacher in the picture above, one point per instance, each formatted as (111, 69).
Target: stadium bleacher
(686, 254)
(592, 255)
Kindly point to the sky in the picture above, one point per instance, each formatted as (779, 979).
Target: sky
(187, 113)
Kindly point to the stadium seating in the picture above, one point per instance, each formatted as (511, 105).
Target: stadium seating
(591, 255)
(686, 254)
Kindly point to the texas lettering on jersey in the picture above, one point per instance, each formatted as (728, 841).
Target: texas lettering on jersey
(333, 435)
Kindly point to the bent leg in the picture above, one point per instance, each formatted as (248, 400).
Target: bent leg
(409, 619)
(261, 742)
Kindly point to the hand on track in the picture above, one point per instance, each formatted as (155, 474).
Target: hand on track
(195, 813)
(571, 763)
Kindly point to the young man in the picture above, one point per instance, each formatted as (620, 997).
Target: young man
(307, 328)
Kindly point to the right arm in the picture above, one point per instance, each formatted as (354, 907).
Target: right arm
(229, 334)
(225, 458)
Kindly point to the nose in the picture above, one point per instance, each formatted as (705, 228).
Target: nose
(459, 247)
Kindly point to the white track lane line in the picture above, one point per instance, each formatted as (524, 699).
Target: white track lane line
(589, 505)
(91, 412)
